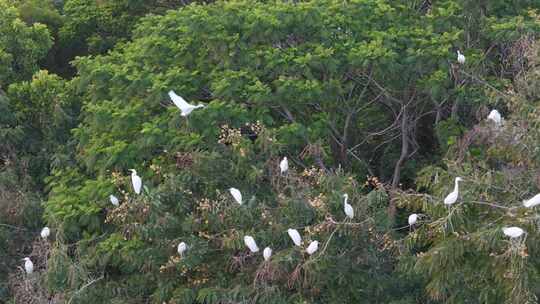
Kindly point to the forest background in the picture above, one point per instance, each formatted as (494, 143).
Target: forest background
(364, 97)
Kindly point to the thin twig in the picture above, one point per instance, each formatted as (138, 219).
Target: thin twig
(84, 287)
(493, 205)
(14, 227)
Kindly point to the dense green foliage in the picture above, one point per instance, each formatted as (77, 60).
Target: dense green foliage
(21, 46)
(96, 26)
(345, 90)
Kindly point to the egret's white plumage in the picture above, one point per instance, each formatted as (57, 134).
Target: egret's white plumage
(412, 219)
(185, 107)
(182, 247)
(45, 232)
(284, 165)
(460, 57)
(513, 232)
(452, 197)
(267, 253)
(349, 211)
(250, 243)
(136, 181)
(496, 117)
(295, 236)
(236, 195)
(532, 202)
(114, 200)
(28, 265)
(313, 246)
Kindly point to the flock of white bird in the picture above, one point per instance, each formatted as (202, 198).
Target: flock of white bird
(186, 109)
(250, 242)
(451, 198)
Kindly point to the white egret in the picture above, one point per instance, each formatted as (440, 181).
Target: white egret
(532, 202)
(136, 181)
(313, 246)
(284, 165)
(295, 236)
(349, 211)
(513, 232)
(45, 232)
(250, 243)
(28, 265)
(460, 57)
(182, 247)
(267, 253)
(412, 219)
(452, 197)
(496, 117)
(114, 200)
(185, 107)
(236, 195)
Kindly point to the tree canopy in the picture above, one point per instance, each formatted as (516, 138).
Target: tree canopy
(364, 98)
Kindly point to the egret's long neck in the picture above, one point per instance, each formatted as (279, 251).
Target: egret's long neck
(456, 186)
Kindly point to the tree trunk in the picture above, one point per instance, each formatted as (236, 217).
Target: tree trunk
(345, 140)
(402, 158)
(438, 114)
(455, 110)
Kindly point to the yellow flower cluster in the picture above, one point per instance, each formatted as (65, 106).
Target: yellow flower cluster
(388, 242)
(117, 178)
(265, 214)
(322, 227)
(205, 205)
(373, 181)
(128, 213)
(256, 127)
(229, 136)
(155, 168)
(318, 201)
(312, 175)
(197, 281)
(118, 215)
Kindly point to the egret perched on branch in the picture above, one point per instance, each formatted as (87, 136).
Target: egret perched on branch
(185, 107)
(513, 232)
(267, 253)
(182, 247)
(28, 265)
(313, 246)
(460, 57)
(284, 165)
(114, 200)
(412, 219)
(349, 211)
(496, 117)
(236, 195)
(453, 196)
(136, 181)
(45, 232)
(250, 243)
(532, 202)
(295, 236)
